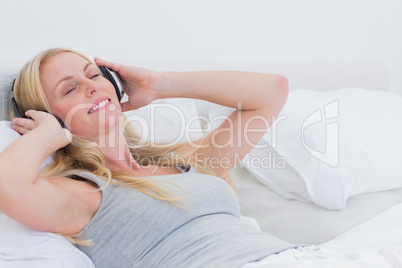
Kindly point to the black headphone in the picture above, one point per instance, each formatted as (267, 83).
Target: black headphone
(106, 72)
(114, 79)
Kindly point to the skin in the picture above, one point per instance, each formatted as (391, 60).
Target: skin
(66, 206)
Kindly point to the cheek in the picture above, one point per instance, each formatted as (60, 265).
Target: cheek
(73, 116)
(108, 86)
(79, 127)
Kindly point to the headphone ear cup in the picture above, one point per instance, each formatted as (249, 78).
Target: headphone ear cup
(17, 113)
(113, 79)
(14, 103)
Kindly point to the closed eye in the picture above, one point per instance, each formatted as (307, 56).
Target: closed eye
(94, 76)
(70, 90)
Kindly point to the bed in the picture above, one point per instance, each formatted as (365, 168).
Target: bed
(329, 173)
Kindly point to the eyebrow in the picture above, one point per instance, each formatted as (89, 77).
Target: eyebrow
(69, 77)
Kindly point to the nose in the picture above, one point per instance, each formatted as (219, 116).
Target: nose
(92, 88)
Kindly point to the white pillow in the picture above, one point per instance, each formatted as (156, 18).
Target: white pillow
(334, 145)
(23, 247)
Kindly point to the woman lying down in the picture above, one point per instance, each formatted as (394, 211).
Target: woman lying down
(126, 202)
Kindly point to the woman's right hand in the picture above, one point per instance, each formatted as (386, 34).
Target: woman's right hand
(138, 84)
(60, 136)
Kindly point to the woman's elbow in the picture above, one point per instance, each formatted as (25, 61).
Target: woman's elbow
(281, 90)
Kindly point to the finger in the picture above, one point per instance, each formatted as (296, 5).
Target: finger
(31, 113)
(23, 122)
(20, 129)
(111, 65)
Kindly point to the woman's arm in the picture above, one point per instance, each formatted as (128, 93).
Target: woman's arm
(258, 98)
(221, 87)
(243, 90)
(37, 202)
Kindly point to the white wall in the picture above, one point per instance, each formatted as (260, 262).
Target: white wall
(151, 32)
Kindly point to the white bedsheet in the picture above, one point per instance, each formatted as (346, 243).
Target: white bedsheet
(381, 231)
(376, 243)
(313, 257)
(381, 234)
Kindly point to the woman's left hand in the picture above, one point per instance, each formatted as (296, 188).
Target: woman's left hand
(137, 84)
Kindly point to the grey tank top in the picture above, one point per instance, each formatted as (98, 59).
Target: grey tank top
(132, 229)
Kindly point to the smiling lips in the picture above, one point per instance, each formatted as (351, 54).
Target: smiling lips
(99, 105)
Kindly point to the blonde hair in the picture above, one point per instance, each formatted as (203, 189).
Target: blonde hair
(77, 157)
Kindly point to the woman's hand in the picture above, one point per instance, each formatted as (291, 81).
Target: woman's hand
(137, 84)
(60, 136)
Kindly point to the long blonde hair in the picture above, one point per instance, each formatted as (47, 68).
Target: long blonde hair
(77, 157)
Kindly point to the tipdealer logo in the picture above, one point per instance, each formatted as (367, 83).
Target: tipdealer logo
(328, 116)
